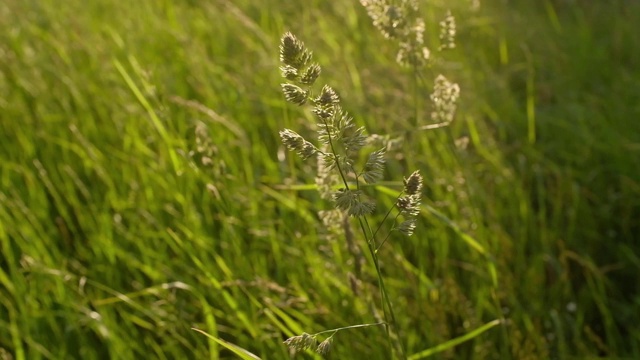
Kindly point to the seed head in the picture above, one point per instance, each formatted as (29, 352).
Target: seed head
(310, 74)
(409, 205)
(448, 32)
(301, 342)
(289, 72)
(413, 185)
(407, 227)
(325, 346)
(294, 94)
(327, 97)
(444, 98)
(346, 199)
(293, 52)
(374, 167)
(362, 208)
(294, 142)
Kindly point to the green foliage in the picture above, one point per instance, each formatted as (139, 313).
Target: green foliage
(144, 190)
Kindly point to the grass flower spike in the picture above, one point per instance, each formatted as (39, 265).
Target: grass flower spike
(400, 21)
(448, 32)
(340, 165)
(301, 342)
(444, 98)
(409, 203)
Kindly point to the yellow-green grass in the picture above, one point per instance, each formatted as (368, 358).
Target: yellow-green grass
(115, 243)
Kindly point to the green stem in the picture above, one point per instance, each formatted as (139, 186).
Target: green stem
(386, 216)
(416, 104)
(333, 150)
(388, 234)
(383, 241)
(387, 308)
(350, 327)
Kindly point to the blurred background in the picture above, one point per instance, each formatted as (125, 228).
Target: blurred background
(144, 190)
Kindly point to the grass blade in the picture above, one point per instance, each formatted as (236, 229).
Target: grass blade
(242, 353)
(454, 342)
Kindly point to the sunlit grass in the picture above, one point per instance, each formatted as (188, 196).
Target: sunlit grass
(116, 241)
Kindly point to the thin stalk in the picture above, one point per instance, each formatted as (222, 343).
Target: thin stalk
(386, 302)
(333, 150)
(416, 104)
(386, 216)
(387, 307)
(350, 327)
(389, 234)
(383, 241)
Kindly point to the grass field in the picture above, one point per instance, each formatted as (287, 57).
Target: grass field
(144, 190)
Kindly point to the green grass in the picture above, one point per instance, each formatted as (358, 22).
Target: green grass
(115, 244)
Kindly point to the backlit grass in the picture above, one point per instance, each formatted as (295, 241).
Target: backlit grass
(122, 227)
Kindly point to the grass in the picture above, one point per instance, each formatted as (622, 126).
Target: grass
(116, 242)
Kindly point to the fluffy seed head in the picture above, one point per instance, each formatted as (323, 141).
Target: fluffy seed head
(407, 227)
(325, 346)
(374, 167)
(444, 99)
(293, 52)
(301, 342)
(295, 142)
(448, 32)
(310, 74)
(345, 199)
(294, 94)
(409, 205)
(327, 97)
(289, 72)
(413, 185)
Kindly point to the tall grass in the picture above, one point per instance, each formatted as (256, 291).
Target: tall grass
(124, 224)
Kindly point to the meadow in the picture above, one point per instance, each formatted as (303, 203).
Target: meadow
(145, 191)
